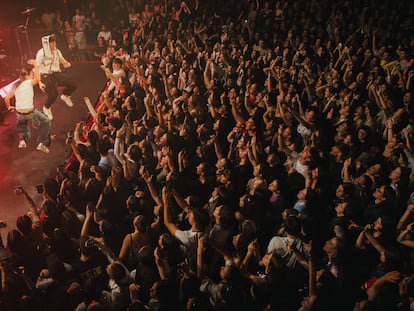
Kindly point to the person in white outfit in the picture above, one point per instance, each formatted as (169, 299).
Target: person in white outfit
(51, 75)
(25, 110)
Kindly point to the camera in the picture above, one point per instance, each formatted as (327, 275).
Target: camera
(39, 189)
(18, 190)
(90, 243)
(93, 244)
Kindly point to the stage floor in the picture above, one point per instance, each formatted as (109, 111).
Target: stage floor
(29, 167)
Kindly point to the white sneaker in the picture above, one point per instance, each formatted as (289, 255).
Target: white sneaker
(42, 148)
(48, 112)
(22, 144)
(67, 100)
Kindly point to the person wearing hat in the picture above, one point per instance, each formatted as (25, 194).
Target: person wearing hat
(49, 58)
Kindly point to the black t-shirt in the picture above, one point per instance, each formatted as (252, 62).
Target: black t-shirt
(92, 275)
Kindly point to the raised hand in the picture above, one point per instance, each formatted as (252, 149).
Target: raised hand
(32, 62)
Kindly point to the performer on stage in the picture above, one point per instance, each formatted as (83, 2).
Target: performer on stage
(49, 59)
(25, 110)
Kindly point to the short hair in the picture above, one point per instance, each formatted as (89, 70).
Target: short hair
(201, 217)
(389, 193)
(116, 123)
(116, 271)
(293, 225)
(291, 212)
(132, 102)
(15, 241)
(348, 189)
(103, 145)
(51, 187)
(344, 149)
(93, 137)
(85, 248)
(228, 173)
(50, 208)
(117, 60)
(24, 224)
(367, 181)
(135, 153)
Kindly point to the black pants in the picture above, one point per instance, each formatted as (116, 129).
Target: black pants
(53, 81)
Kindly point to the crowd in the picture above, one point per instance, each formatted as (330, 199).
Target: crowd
(245, 155)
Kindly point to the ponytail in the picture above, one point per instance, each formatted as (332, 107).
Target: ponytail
(24, 72)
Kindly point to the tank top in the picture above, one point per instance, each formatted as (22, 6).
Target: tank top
(24, 95)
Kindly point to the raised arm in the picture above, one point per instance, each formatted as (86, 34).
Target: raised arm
(404, 217)
(162, 265)
(36, 76)
(180, 201)
(345, 175)
(34, 213)
(109, 74)
(172, 228)
(206, 75)
(152, 189)
(402, 237)
(234, 111)
(377, 245)
(375, 289)
(200, 252)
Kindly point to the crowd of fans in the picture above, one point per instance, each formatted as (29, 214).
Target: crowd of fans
(244, 156)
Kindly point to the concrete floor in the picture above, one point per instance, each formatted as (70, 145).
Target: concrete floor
(29, 167)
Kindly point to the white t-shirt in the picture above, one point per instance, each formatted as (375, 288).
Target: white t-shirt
(189, 239)
(46, 64)
(279, 245)
(300, 168)
(24, 95)
(79, 22)
(304, 132)
(118, 74)
(105, 34)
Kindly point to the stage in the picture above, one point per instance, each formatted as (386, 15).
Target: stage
(29, 167)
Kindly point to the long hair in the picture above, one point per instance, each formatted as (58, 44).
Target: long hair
(24, 72)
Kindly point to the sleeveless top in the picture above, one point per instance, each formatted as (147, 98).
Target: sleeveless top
(24, 95)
